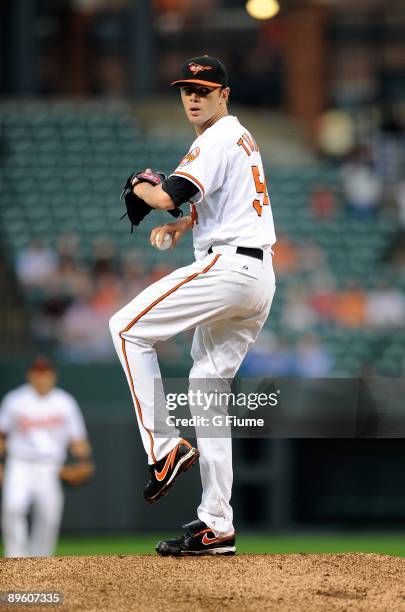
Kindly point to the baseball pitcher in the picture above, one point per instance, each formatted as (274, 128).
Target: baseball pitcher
(38, 423)
(225, 295)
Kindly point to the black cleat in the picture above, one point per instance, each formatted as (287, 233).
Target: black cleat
(164, 472)
(198, 540)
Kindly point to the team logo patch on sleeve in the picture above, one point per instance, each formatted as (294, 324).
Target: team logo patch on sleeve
(190, 156)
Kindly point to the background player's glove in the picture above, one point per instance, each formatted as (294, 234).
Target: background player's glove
(137, 209)
(77, 474)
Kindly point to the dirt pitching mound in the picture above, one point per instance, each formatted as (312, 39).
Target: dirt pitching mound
(301, 582)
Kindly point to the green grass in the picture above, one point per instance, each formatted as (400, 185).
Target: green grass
(389, 544)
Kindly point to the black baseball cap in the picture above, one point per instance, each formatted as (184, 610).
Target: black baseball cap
(203, 70)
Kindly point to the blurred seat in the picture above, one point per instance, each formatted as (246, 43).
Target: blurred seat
(63, 168)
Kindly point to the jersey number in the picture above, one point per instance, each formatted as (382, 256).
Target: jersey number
(260, 188)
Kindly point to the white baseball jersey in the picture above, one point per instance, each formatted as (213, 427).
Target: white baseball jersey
(225, 296)
(232, 205)
(40, 427)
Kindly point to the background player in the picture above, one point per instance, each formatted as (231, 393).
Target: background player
(225, 295)
(38, 423)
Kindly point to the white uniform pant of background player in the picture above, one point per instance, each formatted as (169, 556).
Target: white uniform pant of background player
(31, 485)
(226, 297)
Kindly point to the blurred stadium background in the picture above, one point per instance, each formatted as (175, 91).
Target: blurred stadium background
(84, 100)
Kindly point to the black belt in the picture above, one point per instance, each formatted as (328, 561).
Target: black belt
(256, 253)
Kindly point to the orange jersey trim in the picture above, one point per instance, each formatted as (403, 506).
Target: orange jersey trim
(191, 177)
(138, 406)
(132, 323)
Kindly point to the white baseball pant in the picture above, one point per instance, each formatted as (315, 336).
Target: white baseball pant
(31, 484)
(226, 297)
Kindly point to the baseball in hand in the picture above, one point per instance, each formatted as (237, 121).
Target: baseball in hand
(164, 243)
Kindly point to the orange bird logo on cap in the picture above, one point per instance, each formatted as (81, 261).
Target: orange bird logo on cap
(194, 68)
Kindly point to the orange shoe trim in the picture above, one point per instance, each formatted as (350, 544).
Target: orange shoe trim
(207, 540)
(132, 323)
(169, 463)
